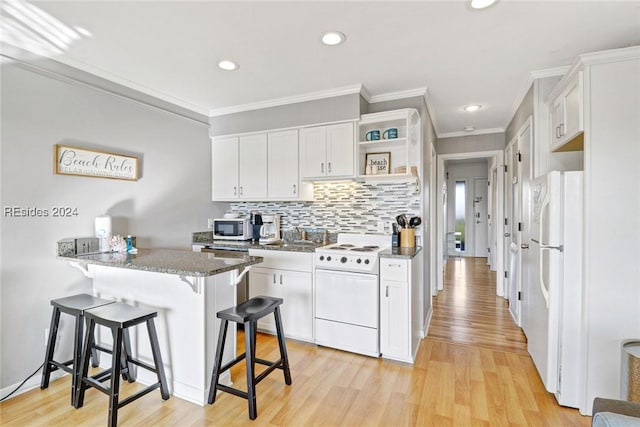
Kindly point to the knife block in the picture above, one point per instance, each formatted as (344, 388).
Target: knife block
(408, 238)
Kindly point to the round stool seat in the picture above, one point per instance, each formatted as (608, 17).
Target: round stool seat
(252, 309)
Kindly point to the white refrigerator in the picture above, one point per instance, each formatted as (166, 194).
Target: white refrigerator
(552, 300)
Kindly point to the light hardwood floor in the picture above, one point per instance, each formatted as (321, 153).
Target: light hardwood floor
(472, 370)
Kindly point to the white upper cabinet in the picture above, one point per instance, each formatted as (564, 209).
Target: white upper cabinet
(252, 167)
(327, 152)
(239, 167)
(389, 145)
(259, 166)
(567, 117)
(225, 168)
(283, 180)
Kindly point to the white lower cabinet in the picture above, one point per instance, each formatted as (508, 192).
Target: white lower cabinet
(396, 312)
(277, 279)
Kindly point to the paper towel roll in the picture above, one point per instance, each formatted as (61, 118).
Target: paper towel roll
(103, 232)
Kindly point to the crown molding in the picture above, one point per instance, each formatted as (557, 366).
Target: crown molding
(475, 132)
(392, 96)
(524, 89)
(64, 69)
(311, 96)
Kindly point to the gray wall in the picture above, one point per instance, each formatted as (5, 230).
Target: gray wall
(345, 107)
(471, 143)
(522, 114)
(171, 199)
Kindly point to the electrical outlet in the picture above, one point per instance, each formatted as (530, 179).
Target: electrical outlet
(210, 223)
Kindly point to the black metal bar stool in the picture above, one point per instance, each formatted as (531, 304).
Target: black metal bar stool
(119, 317)
(248, 313)
(74, 305)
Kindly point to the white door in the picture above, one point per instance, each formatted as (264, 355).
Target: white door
(512, 260)
(394, 318)
(340, 150)
(527, 259)
(283, 165)
(313, 152)
(253, 166)
(224, 161)
(480, 225)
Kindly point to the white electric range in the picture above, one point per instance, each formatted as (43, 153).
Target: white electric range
(347, 308)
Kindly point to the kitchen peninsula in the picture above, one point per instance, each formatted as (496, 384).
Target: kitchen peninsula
(187, 289)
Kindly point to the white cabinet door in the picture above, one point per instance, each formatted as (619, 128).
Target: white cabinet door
(313, 152)
(296, 290)
(395, 309)
(394, 320)
(340, 150)
(297, 318)
(282, 179)
(224, 160)
(567, 117)
(263, 281)
(252, 178)
(573, 109)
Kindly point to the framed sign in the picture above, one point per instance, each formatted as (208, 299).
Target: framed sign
(377, 163)
(98, 164)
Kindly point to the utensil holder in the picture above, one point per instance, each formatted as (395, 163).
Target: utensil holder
(407, 238)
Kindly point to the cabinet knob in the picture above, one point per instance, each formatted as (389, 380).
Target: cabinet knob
(281, 279)
(329, 167)
(274, 278)
(235, 191)
(294, 189)
(241, 190)
(386, 292)
(322, 167)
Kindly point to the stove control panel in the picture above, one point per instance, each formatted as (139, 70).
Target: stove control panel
(351, 262)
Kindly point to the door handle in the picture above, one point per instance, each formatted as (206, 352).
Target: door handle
(281, 279)
(507, 234)
(524, 246)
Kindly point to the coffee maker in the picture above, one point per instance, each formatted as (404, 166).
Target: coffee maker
(270, 230)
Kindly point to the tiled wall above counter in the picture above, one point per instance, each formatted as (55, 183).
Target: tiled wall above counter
(344, 206)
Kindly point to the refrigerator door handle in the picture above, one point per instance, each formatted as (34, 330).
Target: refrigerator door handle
(543, 287)
(543, 246)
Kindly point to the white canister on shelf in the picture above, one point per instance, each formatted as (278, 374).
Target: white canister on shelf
(103, 232)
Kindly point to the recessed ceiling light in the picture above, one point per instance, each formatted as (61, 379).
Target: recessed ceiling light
(481, 4)
(473, 107)
(469, 128)
(227, 65)
(333, 38)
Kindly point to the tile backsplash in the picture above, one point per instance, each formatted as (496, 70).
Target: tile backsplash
(343, 206)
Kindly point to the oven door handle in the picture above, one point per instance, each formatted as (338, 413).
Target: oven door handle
(324, 272)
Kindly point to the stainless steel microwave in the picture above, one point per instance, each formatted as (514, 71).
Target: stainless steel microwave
(232, 229)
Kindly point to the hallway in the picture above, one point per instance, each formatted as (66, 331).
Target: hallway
(468, 311)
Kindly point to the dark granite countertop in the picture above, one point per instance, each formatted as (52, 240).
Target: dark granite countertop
(407, 253)
(206, 239)
(169, 261)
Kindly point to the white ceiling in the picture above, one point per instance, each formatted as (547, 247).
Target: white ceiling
(460, 55)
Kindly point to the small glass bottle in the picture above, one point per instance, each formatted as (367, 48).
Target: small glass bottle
(129, 243)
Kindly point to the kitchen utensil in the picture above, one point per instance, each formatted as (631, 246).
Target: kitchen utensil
(401, 220)
(415, 221)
